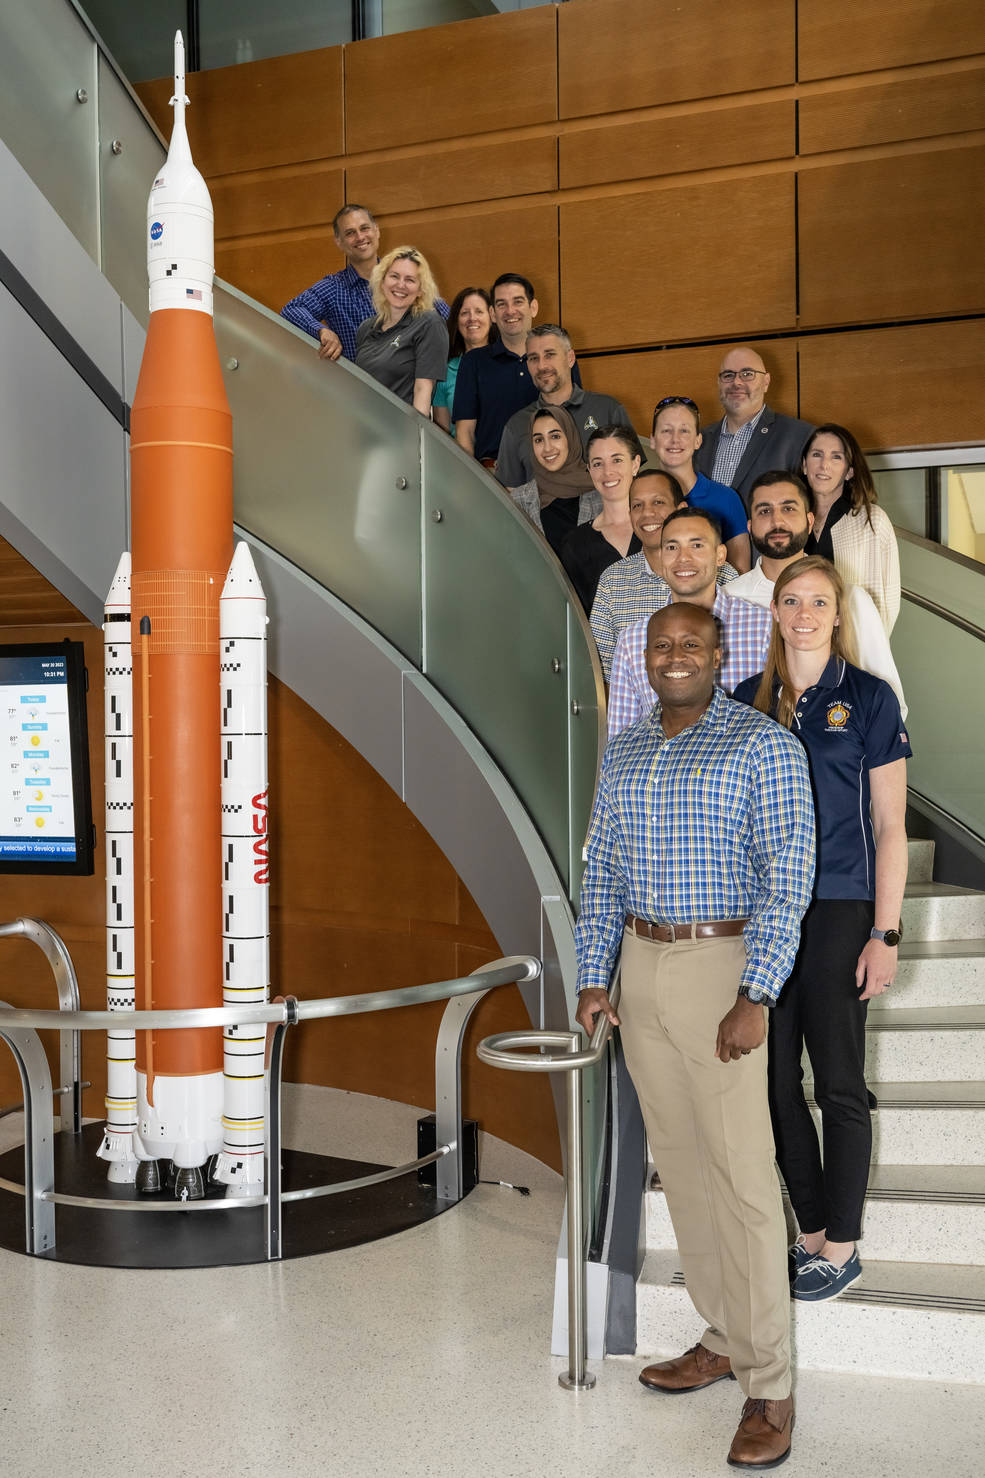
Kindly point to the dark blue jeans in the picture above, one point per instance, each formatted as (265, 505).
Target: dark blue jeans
(819, 1008)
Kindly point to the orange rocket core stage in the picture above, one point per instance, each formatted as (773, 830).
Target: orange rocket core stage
(181, 538)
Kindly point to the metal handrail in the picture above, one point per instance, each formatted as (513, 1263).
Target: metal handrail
(504, 1050)
(19, 1026)
(55, 951)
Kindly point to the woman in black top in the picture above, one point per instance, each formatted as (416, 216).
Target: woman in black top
(405, 346)
(613, 462)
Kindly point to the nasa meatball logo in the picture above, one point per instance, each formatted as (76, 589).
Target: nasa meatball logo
(156, 231)
(837, 717)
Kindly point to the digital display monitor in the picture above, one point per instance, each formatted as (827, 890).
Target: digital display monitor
(45, 796)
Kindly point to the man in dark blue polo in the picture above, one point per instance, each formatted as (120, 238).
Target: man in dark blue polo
(494, 382)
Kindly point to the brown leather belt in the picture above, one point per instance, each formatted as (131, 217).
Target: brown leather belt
(672, 933)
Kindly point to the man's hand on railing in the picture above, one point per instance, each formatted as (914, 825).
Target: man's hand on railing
(592, 1003)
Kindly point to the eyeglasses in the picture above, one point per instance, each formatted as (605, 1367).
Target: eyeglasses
(728, 377)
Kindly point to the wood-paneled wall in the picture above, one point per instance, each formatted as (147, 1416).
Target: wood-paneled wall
(361, 899)
(804, 173)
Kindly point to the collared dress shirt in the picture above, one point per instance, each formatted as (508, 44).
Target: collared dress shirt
(715, 823)
(745, 632)
(731, 445)
(849, 723)
(871, 641)
(627, 592)
(343, 300)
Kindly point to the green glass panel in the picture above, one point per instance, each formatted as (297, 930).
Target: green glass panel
(902, 491)
(949, 580)
(586, 736)
(943, 674)
(46, 60)
(495, 618)
(327, 467)
(126, 178)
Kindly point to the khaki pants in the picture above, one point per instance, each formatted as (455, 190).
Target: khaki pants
(709, 1128)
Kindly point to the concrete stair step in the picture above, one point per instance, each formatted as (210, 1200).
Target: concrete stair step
(920, 867)
(928, 1123)
(943, 911)
(901, 1319)
(937, 972)
(913, 1213)
(913, 1044)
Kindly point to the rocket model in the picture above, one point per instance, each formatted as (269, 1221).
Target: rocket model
(185, 1084)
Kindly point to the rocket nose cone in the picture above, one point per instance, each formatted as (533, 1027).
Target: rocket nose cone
(242, 578)
(119, 589)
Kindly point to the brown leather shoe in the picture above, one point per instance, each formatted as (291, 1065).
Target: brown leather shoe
(692, 1371)
(763, 1438)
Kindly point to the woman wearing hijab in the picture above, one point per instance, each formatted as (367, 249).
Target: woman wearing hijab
(561, 495)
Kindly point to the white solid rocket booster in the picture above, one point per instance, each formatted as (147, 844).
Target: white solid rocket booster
(121, 1082)
(245, 868)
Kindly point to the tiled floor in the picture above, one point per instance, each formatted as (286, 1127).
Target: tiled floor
(423, 1354)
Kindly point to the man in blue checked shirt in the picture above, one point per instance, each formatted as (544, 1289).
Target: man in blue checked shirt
(700, 867)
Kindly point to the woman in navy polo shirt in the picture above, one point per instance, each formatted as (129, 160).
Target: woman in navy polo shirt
(849, 723)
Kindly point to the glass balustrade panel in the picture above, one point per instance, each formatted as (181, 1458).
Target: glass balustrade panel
(586, 735)
(950, 581)
(902, 491)
(943, 673)
(130, 154)
(963, 511)
(327, 467)
(48, 109)
(140, 38)
(495, 614)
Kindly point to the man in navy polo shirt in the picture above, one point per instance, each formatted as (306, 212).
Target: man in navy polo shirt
(494, 382)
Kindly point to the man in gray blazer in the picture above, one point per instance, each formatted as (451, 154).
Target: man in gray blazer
(750, 438)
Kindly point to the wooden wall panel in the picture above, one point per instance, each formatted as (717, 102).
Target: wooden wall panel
(640, 380)
(280, 111)
(896, 387)
(710, 139)
(451, 81)
(843, 36)
(250, 204)
(617, 54)
(27, 598)
(477, 248)
(693, 261)
(280, 269)
(914, 108)
(892, 238)
(455, 176)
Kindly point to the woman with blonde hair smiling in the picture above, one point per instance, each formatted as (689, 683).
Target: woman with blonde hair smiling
(849, 723)
(405, 345)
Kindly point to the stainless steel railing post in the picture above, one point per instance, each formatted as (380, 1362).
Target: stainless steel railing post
(55, 951)
(39, 1149)
(576, 1377)
(274, 1137)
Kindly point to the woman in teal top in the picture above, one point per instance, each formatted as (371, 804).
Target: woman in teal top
(470, 326)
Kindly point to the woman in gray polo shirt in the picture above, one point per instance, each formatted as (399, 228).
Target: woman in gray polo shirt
(405, 345)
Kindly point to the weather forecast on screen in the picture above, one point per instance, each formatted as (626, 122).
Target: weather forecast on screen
(37, 805)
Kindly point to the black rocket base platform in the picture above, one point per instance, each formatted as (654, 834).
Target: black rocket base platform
(210, 1239)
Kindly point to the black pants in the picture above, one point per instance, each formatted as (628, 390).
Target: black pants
(819, 1008)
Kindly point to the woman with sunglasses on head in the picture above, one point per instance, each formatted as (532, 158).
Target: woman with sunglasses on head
(560, 496)
(849, 723)
(850, 528)
(405, 344)
(675, 438)
(613, 462)
(470, 326)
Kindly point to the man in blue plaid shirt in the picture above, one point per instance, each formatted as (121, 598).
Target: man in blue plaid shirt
(700, 867)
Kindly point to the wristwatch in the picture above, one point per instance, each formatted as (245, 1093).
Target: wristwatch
(757, 997)
(891, 937)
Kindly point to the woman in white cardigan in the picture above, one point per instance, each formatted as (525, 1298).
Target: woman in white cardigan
(850, 528)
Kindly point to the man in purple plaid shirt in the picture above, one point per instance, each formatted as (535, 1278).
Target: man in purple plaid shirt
(693, 552)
